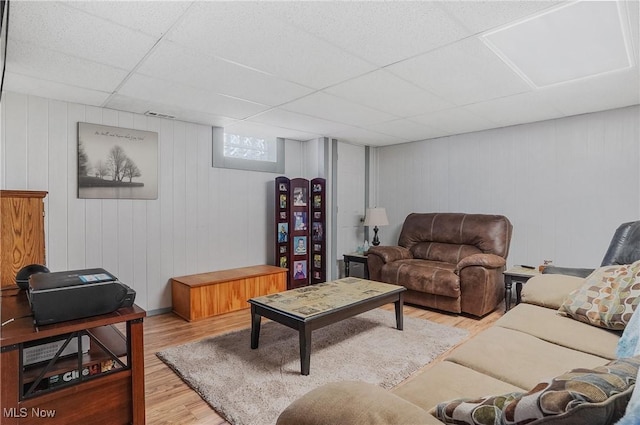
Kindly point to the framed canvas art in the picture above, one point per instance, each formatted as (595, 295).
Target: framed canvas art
(117, 163)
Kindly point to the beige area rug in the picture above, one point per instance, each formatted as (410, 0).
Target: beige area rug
(252, 387)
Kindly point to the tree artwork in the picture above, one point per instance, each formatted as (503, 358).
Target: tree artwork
(83, 161)
(101, 169)
(130, 170)
(117, 162)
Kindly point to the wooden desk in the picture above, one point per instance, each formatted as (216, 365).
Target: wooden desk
(113, 397)
(203, 295)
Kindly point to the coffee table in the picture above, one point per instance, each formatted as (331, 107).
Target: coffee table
(313, 307)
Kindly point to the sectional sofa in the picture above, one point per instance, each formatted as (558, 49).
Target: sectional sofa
(515, 359)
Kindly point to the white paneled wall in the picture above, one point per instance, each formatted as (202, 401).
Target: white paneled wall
(204, 218)
(565, 184)
(350, 197)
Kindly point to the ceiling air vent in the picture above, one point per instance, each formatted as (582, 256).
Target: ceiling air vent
(159, 115)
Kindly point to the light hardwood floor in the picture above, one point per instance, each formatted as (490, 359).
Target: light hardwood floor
(170, 401)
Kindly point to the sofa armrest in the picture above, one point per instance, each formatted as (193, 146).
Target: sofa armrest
(550, 290)
(353, 403)
(389, 254)
(488, 261)
(568, 271)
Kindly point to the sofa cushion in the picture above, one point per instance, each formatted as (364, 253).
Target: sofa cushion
(518, 358)
(607, 298)
(579, 396)
(452, 380)
(424, 276)
(550, 290)
(545, 324)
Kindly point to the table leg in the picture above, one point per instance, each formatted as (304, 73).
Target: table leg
(255, 327)
(346, 268)
(305, 349)
(518, 292)
(399, 312)
(507, 293)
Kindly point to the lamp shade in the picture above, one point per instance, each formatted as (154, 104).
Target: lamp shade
(376, 217)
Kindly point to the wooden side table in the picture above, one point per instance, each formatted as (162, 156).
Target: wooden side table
(355, 258)
(519, 275)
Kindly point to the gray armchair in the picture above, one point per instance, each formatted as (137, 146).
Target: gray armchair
(623, 249)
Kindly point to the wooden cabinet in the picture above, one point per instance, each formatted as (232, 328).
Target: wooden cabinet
(22, 233)
(111, 394)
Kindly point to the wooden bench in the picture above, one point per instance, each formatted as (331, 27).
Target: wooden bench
(203, 295)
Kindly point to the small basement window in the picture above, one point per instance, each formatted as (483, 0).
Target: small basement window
(247, 152)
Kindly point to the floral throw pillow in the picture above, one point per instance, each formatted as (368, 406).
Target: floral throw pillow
(607, 298)
(580, 396)
(480, 411)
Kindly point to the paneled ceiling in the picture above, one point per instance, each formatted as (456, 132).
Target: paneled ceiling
(370, 73)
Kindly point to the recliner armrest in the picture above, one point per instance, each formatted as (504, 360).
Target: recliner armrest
(389, 254)
(488, 261)
(568, 271)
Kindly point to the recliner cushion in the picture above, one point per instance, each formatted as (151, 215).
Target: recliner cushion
(431, 277)
(444, 252)
(491, 234)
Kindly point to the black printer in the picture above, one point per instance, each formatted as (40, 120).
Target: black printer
(60, 296)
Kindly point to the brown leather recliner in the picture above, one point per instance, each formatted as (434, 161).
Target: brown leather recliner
(447, 261)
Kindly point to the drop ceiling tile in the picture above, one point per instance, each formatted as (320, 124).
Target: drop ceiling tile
(240, 32)
(150, 17)
(172, 62)
(361, 136)
(479, 16)
(333, 108)
(129, 104)
(52, 90)
(38, 62)
(455, 121)
(57, 27)
(386, 92)
(613, 90)
(292, 120)
(257, 129)
(577, 40)
(518, 109)
(165, 92)
(465, 72)
(407, 130)
(379, 32)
